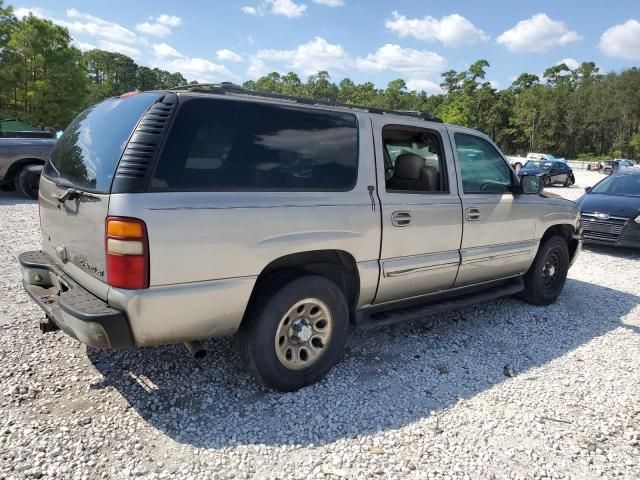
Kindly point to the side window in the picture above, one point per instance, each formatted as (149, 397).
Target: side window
(482, 167)
(223, 145)
(414, 160)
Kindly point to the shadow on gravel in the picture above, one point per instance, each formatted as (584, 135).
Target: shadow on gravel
(14, 198)
(618, 252)
(388, 378)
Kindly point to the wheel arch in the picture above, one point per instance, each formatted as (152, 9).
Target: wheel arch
(338, 266)
(15, 167)
(565, 230)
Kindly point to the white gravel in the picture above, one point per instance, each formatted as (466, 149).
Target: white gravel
(501, 390)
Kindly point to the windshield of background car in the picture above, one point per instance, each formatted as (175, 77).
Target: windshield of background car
(90, 148)
(623, 185)
(538, 164)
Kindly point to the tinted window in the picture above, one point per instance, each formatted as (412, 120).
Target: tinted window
(483, 168)
(88, 152)
(233, 145)
(414, 160)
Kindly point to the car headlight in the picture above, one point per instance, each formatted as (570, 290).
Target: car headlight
(637, 219)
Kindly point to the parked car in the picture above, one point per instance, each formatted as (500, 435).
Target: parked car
(550, 172)
(181, 215)
(544, 156)
(610, 210)
(612, 166)
(21, 161)
(516, 162)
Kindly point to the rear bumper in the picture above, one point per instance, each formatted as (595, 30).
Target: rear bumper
(72, 308)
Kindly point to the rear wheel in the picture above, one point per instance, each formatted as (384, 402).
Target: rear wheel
(546, 278)
(517, 166)
(569, 181)
(293, 336)
(608, 171)
(28, 181)
(546, 181)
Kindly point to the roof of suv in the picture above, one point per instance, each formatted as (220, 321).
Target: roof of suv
(230, 89)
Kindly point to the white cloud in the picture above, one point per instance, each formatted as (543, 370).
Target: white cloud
(154, 29)
(330, 3)
(97, 27)
(257, 68)
(622, 41)
(226, 55)
(537, 34)
(452, 30)
(309, 58)
(163, 50)
(169, 20)
(572, 63)
(494, 84)
(35, 11)
(424, 85)
(403, 60)
(161, 26)
(120, 48)
(287, 8)
(193, 68)
(84, 46)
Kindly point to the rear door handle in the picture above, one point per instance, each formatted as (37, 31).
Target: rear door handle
(401, 219)
(472, 214)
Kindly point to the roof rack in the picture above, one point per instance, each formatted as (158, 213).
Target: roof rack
(228, 88)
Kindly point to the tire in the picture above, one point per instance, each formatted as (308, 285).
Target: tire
(607, 171)
(569, 181)
(546, 181)
(268, 333)
(28, 180)
(540, 289)
(517, 166)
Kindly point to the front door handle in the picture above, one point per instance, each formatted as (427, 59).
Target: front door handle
(472, 214)
(401, 219)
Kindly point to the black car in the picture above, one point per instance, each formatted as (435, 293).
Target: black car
(611, 210)
(550, 172)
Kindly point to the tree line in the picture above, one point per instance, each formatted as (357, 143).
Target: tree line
(577, 113)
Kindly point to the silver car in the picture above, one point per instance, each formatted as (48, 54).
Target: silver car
(182, 215)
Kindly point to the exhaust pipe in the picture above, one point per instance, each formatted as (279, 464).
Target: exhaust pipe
(196, 349)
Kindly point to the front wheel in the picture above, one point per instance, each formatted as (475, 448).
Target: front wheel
(517, 166)
(608, 171)
(293, 336)
(546, 277)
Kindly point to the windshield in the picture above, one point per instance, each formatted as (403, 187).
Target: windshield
(622, 185)
(89, 150)
(538, 164)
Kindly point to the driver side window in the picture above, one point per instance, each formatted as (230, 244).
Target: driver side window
(482, 167)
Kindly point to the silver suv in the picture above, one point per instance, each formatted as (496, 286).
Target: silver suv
(182, 215)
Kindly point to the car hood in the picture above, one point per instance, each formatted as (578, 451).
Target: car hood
(615, 205)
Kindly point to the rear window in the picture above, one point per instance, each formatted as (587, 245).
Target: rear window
(222, 145)
(88, 152)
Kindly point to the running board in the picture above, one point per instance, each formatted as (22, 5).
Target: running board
(373, 318)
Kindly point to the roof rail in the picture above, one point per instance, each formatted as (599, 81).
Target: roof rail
(225, 88)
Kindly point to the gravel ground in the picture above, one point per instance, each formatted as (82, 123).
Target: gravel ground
(501, 390)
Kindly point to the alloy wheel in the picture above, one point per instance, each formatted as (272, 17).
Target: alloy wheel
(303, 334)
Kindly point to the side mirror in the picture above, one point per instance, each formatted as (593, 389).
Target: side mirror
(588, 189)
(530, 184)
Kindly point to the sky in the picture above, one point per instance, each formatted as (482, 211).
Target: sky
(365, 40)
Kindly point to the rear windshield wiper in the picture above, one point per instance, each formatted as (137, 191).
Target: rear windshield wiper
(73, 193)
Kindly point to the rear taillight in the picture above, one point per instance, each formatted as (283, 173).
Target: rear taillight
(127, 251)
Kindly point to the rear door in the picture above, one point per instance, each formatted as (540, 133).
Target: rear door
(85, 159)
(421, 210)
(499, 226)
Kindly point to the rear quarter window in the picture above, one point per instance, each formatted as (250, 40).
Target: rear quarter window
(225, 145)
(89, 151)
